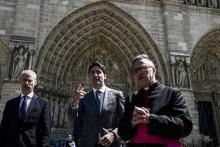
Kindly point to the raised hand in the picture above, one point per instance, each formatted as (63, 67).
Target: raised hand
(79, 93)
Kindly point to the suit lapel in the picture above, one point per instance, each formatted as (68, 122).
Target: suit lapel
(31, 106)
(17, 105)
(107, 95)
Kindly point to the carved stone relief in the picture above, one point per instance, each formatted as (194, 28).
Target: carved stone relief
(206, 74)
(20, 59)
(180, 70)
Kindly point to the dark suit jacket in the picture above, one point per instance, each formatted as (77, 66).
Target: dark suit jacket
(96, 125)
(34, 131)
(169, 114)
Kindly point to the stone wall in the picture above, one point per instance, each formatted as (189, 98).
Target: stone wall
(10, 89)
(174, 27)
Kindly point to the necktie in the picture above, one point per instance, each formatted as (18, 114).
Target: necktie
(97, 96)
(23, 107)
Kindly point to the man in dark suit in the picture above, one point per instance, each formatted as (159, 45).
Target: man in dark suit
(26, 119)
(156, 115)
(100, 110)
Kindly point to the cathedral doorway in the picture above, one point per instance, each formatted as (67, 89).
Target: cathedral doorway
(205, 61)
(97, 32)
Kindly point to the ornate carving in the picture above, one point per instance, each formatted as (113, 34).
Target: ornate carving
(180, 70)
(205, 62)
(204, 3)
(102, 24)
(100, 31)
(20, 59)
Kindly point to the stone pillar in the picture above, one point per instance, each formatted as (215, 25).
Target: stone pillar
(193, 138)
(10, 89)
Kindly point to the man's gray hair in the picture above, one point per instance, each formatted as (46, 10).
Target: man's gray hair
(29, 72)
(142, 56)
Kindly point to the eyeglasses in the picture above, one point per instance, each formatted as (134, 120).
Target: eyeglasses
(141, 68)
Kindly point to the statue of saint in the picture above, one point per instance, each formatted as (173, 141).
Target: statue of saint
(181, 73)
(20, 58)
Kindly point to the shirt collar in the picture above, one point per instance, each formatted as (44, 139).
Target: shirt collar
(30, 95)
(102, 89)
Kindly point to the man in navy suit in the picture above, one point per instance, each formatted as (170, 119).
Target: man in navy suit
(100, 110)
(26, 119)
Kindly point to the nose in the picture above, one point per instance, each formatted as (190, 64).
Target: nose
(95, 74)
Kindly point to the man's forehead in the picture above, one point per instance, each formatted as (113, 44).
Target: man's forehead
(27, 76)
(143, 62)
(96, 68)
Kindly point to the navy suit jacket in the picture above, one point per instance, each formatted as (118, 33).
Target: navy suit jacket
(96, 125)
(34, 131)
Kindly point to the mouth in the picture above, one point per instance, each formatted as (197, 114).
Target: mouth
(96, 80)
(140, 78)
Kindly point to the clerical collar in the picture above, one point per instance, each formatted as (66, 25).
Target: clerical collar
(150, 87)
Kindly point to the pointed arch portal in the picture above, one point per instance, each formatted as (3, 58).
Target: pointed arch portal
(97, 31)
(205, 62)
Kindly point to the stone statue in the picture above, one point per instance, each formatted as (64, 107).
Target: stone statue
(20, 60)
(181, 73)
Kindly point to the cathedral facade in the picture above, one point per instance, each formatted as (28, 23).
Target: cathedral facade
(59, 39)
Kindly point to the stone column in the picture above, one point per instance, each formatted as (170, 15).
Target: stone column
(10, 89)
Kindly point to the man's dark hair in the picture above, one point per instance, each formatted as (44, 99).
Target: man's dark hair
(101, 66)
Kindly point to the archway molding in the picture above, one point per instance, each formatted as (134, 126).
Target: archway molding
(98, 26)
(205, 62)
(205, 75)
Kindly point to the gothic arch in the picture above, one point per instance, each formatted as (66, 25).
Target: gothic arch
(205, 71)
(205, 62)
(100, 26)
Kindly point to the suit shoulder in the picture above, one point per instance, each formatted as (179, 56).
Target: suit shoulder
(13, 100)
(114, 90)
(169, 88)
(43, 99)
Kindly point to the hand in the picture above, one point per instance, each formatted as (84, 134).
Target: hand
(107, 139)
(79, 93)
(140, 115)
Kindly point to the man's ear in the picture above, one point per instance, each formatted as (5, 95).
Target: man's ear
(154, 70)
(35, 82)
(104, 76)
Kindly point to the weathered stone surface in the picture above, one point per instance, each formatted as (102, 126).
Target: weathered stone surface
(180, 36)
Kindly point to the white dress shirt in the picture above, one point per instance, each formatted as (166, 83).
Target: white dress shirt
(29, 97)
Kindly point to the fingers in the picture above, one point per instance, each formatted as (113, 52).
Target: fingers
(141, 110)
(79, 93)
(106, 139)
(140, 115)
(80, 88)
